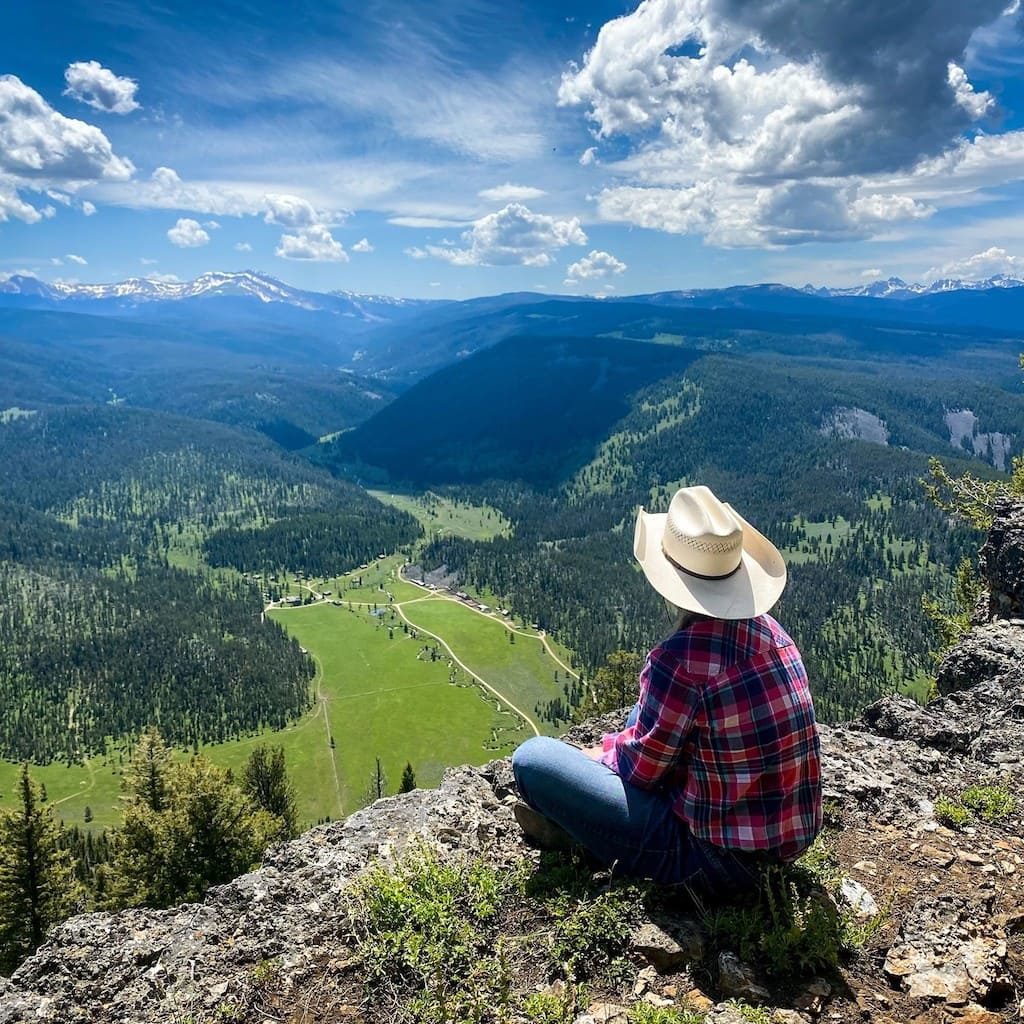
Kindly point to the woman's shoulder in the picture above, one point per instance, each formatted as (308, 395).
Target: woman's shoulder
(712, 645)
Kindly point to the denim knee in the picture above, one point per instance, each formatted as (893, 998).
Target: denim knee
(529, 760)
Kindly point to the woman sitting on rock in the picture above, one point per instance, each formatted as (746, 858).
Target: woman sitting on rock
(718, 768)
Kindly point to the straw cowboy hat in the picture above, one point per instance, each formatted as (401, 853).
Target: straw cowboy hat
(703, 556)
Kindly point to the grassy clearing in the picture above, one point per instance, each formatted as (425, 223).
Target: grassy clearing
(378, 700)
(70, 790)
(921, 688)
(821, 540)
(377, 582)
(443, 517)
(522, 669)
(385, 698)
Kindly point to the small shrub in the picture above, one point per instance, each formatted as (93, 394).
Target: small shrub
(560, 881)
(833, 813)
(420, 928)
(951, 813)
(990, 803)
(644, 1013)
(820, 863)
(788, 929)
(592, 936)
(753, 1014)
(265, 974)
(549, 1008)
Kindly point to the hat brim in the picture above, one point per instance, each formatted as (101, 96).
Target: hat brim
(752, 590)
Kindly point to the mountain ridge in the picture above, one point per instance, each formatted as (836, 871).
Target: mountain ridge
(267, 288)
(136, 293)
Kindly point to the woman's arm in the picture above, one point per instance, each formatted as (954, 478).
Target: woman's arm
(642, 753)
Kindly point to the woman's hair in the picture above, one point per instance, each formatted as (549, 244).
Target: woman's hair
(681, 618)
(685, 618)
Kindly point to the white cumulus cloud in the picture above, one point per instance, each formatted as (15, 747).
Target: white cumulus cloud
(770, 124)
(588, 156)
(512, 236)
(243, 247)
(596, 264)
(88, 208)
(80, 260)
(290, 211)
(91, 83)
(187, 234)
(36, 142)
(994, 260)
(509, 193)
(363, 245)
(12, 205)
(312, 243)
(977, 104)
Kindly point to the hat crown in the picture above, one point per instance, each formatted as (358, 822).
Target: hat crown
(702, 534)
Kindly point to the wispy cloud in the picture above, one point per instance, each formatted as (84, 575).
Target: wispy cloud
(509, 193)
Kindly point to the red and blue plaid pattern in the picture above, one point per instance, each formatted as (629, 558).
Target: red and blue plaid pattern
(726, 727)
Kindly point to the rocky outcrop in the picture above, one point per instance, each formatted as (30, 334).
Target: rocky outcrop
(1002, 563)
(994, 648)
(949, 943)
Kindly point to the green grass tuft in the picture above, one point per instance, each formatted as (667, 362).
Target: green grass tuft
(990, 803)
(645, 1013)
(951, 813)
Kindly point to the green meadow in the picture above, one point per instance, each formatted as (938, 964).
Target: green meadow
(382, 696)
(442, 516)
(520, 667)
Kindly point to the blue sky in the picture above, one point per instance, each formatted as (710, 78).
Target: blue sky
(461, 148)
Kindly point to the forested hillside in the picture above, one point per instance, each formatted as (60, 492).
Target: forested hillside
(761, 429)
(110, 619)
(258, 376)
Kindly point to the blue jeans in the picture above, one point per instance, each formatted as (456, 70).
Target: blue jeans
(633, 831)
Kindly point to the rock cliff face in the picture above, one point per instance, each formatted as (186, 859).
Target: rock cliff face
(950, 945)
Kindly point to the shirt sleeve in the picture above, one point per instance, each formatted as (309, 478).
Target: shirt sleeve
(642, 753)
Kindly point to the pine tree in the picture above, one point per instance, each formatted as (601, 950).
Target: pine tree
(377, 786)
(266, 781)
(408, 783)
(37, 884)
(615, 684)
(208, 832)
(146, 778)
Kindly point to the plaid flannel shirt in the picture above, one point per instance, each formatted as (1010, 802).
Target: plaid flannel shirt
(726, 727)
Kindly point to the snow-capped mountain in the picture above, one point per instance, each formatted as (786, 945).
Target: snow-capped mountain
(897, 288)
(136, 293)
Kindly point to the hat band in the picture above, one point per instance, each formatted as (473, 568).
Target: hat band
(700, 575)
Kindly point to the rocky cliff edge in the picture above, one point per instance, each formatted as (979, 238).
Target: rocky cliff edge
(948, 900)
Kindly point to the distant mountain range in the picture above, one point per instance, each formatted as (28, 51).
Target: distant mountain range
(395, 342)
(897, 288)
(141, 294)
(30, 292)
